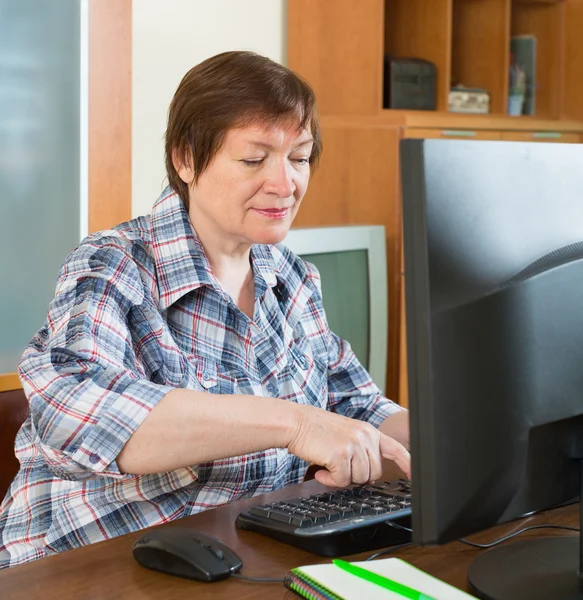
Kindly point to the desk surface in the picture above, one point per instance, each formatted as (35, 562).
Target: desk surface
(107, 570)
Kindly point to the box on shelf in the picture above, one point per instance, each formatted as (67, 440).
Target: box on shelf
(409, 83)
(469, 100)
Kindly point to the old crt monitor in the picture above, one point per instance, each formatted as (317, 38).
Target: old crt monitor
(493, 241)
(353, 267)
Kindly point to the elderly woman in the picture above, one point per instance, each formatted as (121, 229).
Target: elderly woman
(186, 360)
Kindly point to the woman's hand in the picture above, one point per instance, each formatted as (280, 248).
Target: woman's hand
(350, 451)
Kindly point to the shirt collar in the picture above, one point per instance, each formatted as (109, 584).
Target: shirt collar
(264, 268)
(181, 263)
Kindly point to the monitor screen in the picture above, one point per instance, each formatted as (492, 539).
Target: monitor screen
(493, 243)
(352, 263)
(346, 298)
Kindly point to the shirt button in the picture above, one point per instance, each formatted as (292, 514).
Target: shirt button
(206, 376)
(303, 362)
(94, 459)
(271, 389)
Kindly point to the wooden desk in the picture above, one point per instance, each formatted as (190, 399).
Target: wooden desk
(107, 570)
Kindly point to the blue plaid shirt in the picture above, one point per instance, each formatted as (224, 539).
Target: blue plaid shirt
(137, 313)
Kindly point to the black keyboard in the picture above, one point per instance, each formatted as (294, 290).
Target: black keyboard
(339, 521)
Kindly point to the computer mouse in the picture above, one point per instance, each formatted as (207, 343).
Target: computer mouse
(186, 553)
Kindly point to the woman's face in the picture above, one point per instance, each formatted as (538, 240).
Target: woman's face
(252, 189)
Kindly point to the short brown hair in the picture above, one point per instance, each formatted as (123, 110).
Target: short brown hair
(229, 90)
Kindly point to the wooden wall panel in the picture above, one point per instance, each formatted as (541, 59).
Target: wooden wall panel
(110, 112)
(337, 46)
(357, 184)
(572, 100)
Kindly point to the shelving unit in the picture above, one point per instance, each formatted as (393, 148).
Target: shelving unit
(339, 47)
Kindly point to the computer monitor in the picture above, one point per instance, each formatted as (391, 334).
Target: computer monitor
(352, 262)
(493, 242)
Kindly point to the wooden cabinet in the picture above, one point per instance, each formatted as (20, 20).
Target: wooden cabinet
(339, 48)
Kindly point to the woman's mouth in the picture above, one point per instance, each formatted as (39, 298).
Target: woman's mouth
(272, 213)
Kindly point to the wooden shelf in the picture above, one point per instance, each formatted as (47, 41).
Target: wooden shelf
(410, 118)
(447, 120)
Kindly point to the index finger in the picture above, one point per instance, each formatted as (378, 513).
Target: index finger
(392, 450)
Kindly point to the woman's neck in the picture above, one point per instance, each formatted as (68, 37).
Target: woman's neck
(231, 264)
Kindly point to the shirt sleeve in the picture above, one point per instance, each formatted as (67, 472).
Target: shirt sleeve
(87, 395)
(351, 391)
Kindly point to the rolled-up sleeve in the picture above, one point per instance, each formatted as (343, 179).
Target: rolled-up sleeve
(87, 393)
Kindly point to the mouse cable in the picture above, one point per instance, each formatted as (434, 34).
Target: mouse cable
(257, 579)
(499, 541)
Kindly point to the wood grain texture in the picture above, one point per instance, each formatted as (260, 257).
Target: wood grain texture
(480, 56)
(108, 570)
(9, 381)
(422, 29)
(572, 98)
(110, 112)
(357, 183)
(545, 22)
(337, 47)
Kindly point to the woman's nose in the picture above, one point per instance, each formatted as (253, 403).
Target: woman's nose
(280, 180)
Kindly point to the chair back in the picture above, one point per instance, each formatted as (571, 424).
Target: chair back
(13, 413)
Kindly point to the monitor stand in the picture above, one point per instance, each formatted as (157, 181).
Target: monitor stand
(541, 569)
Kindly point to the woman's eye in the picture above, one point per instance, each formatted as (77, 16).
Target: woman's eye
(301, 161)
(252, 163)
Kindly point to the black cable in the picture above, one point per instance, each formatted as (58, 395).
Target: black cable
(496, 542)
(510, 536)
(388, 551)
(257, 579)
(473, 544)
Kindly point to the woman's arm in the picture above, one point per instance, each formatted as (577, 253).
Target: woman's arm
(188, 428)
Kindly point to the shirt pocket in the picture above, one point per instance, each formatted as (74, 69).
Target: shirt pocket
(307, 373)
(209, 375)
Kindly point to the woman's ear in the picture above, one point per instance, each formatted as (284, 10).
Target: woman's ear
(182, 161)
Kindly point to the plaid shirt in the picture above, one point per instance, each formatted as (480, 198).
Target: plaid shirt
(137, 313)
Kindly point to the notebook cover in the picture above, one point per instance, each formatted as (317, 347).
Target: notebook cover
(329, 582)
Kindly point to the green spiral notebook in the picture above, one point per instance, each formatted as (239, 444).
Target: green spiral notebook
(330, 582)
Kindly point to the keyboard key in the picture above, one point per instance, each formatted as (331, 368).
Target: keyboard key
(300, 521)
(282, 517)
(259, 511)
